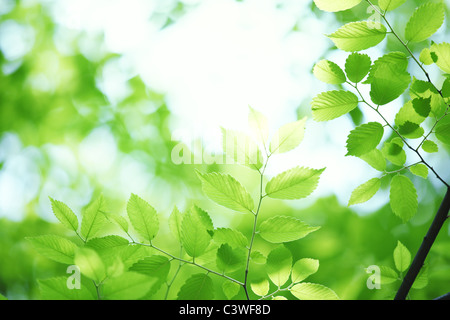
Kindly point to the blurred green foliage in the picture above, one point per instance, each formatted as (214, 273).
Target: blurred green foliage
(48, 97)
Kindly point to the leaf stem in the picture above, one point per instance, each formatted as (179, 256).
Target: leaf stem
(261, 197)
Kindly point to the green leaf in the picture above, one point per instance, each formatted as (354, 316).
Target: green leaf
(230, 289)
(333, 104)
(402, 257)
(388, 84)
(389, 5)
(422, 278)
(296, 183)
(90, 264)
(375, 159)
(257, 257)
(420, 170)
(57, 289)
(55, 248)
(357, 36)
(357, 66)
(260, 288)
(156, 266)
(427, 57)
(197, 287)
(120, 221)
(388, 275)
(442, 51)
(259, 125)
(128, 286)
(403, 197)
(232, 237)
(230, 259)
(430, 146)
(425, 90)
(335, 6)
(303, 268)
(2, 297)
(329, 72)
(365, 191)
(93, 218)
(194, 234)
(279, 265)
(175, 220)
(226, 191)
(411, 130)
(64, 214)
(396, 60)
(393, 151)
(364, 139)
(442, 130)
(241, 149)
(143, 217)
(313, 291)
(288, 137)
(281, 229)
(426, 20)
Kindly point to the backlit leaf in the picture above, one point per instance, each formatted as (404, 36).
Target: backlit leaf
(143, 217)
(296, 183)
(329, 72)
(365, 191)
(333, 104)
(403, 197)
(357, 36)
(280, 229)
(364, 139)
(425, 21)
(226, 191)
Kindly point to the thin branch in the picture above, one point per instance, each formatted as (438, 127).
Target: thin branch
(190, 262)
(261, 197)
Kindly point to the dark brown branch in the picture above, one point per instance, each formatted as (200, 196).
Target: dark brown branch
(444, 297)
(425, 247)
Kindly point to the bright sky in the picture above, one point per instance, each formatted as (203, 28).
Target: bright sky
(220, 57)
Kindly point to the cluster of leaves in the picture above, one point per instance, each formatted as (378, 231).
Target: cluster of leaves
(402, 261)
(114, 267)
(387, 78)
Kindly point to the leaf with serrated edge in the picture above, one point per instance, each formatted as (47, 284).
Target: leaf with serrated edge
(364, 139)
(280, 229)
(279, 265)
(329, 72)
(296, 183)
(303, 268)
(335, 6)
(357, 66)
(93, 218)
(64, 214)
(288, 137)
(333, 104)
(128, 286)
(313, 291)
(419, 170)
(143, 217)
(226, 191)
(426, 20)
(389, 5)
(402, 257)
(54, 247)
(197, 287)
(357, 36)
(365, 191)
(403, 197)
